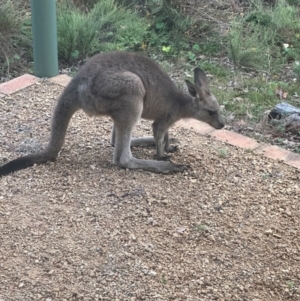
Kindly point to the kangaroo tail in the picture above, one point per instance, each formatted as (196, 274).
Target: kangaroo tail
(22, 163)
(63, 112)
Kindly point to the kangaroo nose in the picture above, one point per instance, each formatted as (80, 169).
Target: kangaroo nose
(221, 124)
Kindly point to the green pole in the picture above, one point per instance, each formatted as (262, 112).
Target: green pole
(43, 15)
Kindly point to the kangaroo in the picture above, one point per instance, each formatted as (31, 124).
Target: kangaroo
(128, 86)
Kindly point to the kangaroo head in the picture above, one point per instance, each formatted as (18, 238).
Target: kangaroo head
(205, 105)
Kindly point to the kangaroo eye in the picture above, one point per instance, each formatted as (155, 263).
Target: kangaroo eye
(211, 112)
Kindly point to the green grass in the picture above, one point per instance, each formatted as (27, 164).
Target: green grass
(254, 97)
(256, 40)
(250, 46)
(214, 69)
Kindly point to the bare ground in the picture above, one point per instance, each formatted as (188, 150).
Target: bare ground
(83, 229)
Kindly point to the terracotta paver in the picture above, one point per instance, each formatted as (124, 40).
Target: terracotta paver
(198, 126)
(18, 83)
(61, 79)
(235, 139)
(272, 151)
(293, 160)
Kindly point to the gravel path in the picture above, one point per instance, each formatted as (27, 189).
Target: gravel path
(83, 229)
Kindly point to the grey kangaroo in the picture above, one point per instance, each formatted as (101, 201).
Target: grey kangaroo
(128, 86)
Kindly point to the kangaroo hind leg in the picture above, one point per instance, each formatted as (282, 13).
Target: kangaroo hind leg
(140, 141)
(171, 144)
(123, 156)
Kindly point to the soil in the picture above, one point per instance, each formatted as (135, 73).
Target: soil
(82, 229)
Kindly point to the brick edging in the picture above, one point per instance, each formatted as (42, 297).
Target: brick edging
(232, 138)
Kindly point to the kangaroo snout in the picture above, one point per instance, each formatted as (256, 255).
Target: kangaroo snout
(217, 123)
(215, 120)
(220, 125)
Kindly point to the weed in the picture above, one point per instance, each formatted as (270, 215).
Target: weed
(222, 152)
(296, 69)
(266, 176)
(280, 128)
(250, 45)
(297, 150)
(202, 227)
(164, 280)
(290, 284)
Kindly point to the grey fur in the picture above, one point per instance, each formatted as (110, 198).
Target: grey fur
(128, 86)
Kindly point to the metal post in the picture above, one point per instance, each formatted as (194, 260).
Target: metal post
(43, 15)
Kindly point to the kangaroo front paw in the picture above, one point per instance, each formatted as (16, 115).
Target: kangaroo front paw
(172, 148)
(179, 167)
(174, 141)
(162, 158)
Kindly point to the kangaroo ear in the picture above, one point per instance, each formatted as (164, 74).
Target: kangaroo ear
(192, 88)
(200, 79)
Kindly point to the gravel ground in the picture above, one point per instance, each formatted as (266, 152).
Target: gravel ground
(83, 229)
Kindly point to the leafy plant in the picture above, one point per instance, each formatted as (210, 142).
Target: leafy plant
(167, 24)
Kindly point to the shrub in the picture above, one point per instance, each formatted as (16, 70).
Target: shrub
(118, 28)
(77, 34)
(168, 25)
(105, 27)
(12, 36)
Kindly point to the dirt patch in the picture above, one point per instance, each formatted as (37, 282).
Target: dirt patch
(83, 229)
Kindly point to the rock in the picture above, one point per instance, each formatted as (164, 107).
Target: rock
(283, 109)
(152, 273)
(293, 122)
(289, 114)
